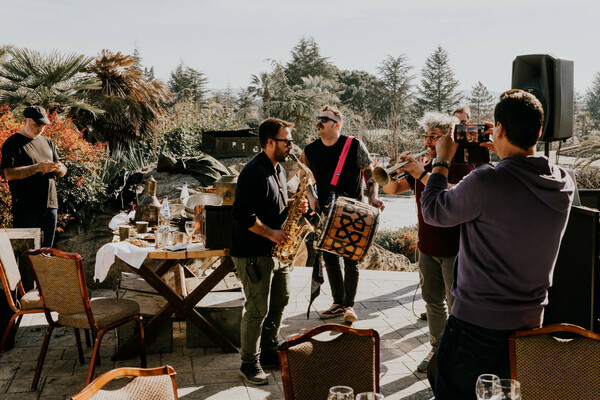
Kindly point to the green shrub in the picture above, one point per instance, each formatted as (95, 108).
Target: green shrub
(402, 241)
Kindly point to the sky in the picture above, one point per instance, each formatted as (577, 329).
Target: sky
(229, 40)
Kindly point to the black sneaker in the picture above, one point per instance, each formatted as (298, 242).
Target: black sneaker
(253, 373)
(335, 310)
(269, 359)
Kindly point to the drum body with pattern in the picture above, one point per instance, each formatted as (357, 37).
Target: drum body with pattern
(347, 228)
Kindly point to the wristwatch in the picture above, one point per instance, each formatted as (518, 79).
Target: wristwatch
(440, 162)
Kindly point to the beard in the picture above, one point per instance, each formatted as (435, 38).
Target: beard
(281, 156)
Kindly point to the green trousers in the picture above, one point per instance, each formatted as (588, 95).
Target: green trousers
(265, 282)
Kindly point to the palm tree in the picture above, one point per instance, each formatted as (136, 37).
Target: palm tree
(53, 80)
(131, 103)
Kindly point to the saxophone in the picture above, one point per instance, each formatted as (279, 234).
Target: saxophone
(295, 223)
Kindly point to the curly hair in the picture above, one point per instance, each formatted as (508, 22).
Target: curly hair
(432, 120)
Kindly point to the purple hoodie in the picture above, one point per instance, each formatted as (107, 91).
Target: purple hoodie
(512, 219)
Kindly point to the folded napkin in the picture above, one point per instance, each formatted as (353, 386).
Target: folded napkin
(196, 247)
(105, 257)
(121, 219)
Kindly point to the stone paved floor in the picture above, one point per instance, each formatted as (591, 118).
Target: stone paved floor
(384, 302)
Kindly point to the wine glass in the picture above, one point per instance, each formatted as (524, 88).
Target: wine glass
(190, 227)
(487, 387)
(341, 393)
(369, 396)
(509, 389)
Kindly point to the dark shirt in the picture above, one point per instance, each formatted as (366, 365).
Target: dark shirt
(39, 190)
(322, 160)
(433, 240)
(258, 194)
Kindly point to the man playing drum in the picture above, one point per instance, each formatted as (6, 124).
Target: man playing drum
(437, 246)
(321, 157)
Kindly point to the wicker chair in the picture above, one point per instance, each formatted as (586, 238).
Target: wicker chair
(60, 279)
(309, 367)
(149, 384)
(19, 302)
(560, 361)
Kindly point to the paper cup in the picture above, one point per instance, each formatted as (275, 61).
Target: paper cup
(124, 231)
(141, 226)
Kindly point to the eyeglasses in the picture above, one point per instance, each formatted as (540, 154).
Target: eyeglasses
(431, 137)
(325, 119)
(288, 143)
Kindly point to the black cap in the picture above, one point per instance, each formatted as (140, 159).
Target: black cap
(38, 114)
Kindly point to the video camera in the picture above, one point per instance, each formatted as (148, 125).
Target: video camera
(468, 137)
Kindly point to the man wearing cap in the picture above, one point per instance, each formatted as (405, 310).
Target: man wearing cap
(30, 165)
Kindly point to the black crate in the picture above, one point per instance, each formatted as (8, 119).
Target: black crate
(217, 226)
(223, 310)
(238, 143)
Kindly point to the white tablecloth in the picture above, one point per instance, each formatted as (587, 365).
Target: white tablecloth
(132, 255)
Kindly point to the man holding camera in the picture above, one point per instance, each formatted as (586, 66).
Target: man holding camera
(437, 246)
(512, 219)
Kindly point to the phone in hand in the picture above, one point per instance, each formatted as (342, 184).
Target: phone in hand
(468, 137)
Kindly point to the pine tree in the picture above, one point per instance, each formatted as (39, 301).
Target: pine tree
(437, 91)
(592, 102)
(481, 103)
(188, 83)
(397, 80)
(307, 61)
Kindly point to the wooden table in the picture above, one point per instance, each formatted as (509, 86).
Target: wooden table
(177, 300)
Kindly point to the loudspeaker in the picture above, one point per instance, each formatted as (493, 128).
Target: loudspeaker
(550, 79)
(575, 293)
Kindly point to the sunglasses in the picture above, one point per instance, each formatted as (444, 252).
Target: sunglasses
(431, 137)
(288, 143)
(325, 119)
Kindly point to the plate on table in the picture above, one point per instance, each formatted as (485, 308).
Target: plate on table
(138, 242)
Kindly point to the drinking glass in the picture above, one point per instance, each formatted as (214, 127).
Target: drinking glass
(509, 389)
(369, 396)
(190, 227)
(341, 393)
(487, 387)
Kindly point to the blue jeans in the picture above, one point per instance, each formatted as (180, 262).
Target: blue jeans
(45, 219)
(343, 287)
(467, 351)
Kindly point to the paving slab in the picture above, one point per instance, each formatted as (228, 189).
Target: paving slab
(386, 301)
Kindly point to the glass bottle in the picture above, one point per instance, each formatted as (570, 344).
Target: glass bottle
(185, 193)
(148, 208)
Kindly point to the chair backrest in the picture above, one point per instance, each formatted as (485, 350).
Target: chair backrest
(149, 384)
(309, 367)
(9, 262)
(559, 361)
(60, 279)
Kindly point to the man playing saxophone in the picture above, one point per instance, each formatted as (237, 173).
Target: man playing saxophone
(437, 246)
(259, 211)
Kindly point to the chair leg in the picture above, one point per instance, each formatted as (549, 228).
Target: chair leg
(8, 332)
(42, 357)
(88, 341)
(142, 343)
(95, 356)
(79, 347)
